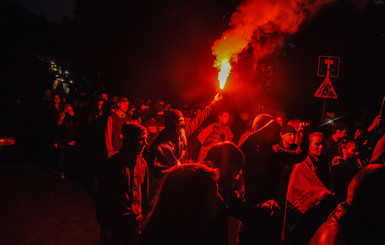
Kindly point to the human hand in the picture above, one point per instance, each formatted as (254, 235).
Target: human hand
(377, 121)
(271, 206)
(218, 97)
(304, 128)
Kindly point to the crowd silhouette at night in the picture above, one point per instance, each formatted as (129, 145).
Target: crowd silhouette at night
(162, 174)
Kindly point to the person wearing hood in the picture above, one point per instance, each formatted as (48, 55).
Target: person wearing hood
(264, 161)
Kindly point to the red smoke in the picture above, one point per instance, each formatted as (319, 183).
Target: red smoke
(263, 24)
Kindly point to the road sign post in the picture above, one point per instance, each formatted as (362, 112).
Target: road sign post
(328, 66)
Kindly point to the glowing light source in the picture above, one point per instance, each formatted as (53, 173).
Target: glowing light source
(224, 69)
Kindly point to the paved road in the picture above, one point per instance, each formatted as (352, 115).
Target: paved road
(38, 208)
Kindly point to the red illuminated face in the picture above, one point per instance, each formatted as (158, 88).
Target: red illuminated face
(350, 152)
(123, 106)
(56, 99)
(342, 134)
(224, 118)
(100, 104)
(288, 138)
(316, 146)
(104, 97)
(180, 123)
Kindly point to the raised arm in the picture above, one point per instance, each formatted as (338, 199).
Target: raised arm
(199, 119)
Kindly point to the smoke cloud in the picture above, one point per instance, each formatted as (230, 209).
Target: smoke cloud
(262, 24)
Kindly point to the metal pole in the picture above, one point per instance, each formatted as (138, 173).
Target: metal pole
(323, 110)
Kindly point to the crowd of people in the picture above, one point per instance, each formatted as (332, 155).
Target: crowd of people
(161, 175)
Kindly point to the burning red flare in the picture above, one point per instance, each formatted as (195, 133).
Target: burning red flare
(224, 69)
(262, 24)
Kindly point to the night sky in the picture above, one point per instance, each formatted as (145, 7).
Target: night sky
(55, 10)
(162, 49)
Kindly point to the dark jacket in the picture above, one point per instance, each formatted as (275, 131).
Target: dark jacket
(124, 187)
(167, 152)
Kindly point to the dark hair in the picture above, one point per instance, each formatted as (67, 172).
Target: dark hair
(316, 134)
(367, 186)
(338, 126)
(182, 211)
(227, 157)
(132, 134)
(171, 116)
(344, 145)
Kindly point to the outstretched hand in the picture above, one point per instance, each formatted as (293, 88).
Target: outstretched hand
(218, 97)
(304, 127)
(377, 121)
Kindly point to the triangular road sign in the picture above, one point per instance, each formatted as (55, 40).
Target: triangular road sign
(326, 90)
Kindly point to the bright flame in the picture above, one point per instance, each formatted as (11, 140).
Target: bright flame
(224, 71)
(261, 25)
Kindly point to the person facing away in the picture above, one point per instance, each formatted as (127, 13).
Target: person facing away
(113, 133)
(361, 218)
(185, 207)
(214, 133)
(228, 160)
(264, 161)
(124, 187)
(344, 168)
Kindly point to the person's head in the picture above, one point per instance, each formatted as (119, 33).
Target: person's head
(228, 159)
(268, 128)
(115, 99)
(281, 119)
(103, 96)
(339, 131)
(316, 144)
(224, 117)
(366, 194)
(244, 116)
(68, 109)
(288, 135)
(100, 105)
(56, 99)
(123, 104)
(294, 123)
(348, 149)
(361, 132)
(134, 138)
(185, 205)
(158, 107)
(174, 121)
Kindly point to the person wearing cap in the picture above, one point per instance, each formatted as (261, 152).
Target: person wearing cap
(113, 135)
(288, 134)
(288, 138)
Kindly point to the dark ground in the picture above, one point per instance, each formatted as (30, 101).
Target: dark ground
(38, 208)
